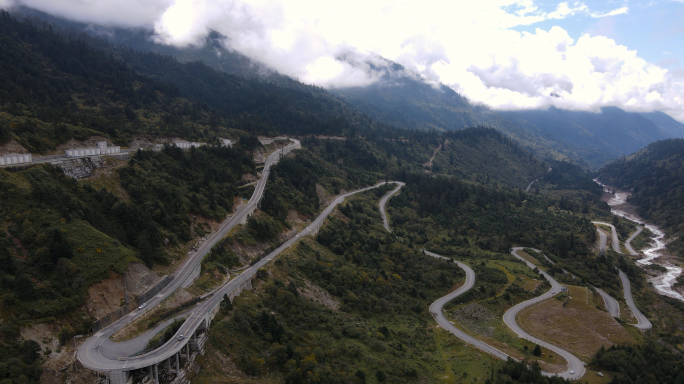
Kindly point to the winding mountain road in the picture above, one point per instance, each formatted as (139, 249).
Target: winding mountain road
(612, 305)
(575, 366)
(628, 242)
(98, 354)
(437, 311)
(102, 355)
(642, 322)
(437, 307)
(616, 240)
(383, 203)
(603, 239)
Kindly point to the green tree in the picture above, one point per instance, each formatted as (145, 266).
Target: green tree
(536, 351)
(226, 303)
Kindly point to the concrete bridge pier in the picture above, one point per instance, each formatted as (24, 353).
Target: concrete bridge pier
(115, 377)
(176, 359)
(249, 213)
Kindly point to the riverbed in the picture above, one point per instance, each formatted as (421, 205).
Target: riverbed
(653, 254)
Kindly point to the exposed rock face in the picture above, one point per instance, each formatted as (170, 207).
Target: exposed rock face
(87, 143)
(323, 198)
(11, 147)
(248, 178)
(318, 295)
(294, 217)
(139, 278)
(107, 295)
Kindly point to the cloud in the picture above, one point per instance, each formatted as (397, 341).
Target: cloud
(615, 12)
(470, 46)
(125, 13)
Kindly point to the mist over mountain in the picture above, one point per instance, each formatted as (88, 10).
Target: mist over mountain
(330, 228)
(673, 127)
(602, 136)
(404, 99)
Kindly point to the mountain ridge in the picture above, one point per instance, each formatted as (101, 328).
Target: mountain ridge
(405, 100)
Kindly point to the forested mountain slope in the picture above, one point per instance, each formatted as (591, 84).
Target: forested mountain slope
(53, 89)
(481, 155)
(212, 53)
(673, 127)
(488, 156)
(402, 99)
(337, 304)
(269, 105)
(347, 305)
(607, 135)
(399, 98)
(655, 175)
(55, 224)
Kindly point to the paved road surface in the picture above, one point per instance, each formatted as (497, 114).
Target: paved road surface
(437, 311)
(575, 365)
(628, 242)
(91, 356)
(183, 273)
(642, 321)
(112, 350)
(616, 241)
(383, 203)
(611, 304)
(603, 239)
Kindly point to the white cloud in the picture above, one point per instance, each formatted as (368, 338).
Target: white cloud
(469, 45)
(127, 13)
(614, 12)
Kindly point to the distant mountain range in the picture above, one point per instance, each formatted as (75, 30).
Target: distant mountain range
(403, 99)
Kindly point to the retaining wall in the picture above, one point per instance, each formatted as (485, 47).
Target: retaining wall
(16, 159)
(127, 308)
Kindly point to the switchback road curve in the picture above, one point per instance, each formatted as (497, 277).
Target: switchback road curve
(575, 366)
(642, 322)
(92, 356)
(628, 242)
(437, 312)
(616, 241)
(383, 203)
(612, 305)
(90, 353)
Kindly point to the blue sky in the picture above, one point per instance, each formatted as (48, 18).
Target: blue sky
(655, 29)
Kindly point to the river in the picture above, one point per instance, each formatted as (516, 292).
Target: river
(663, 282)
